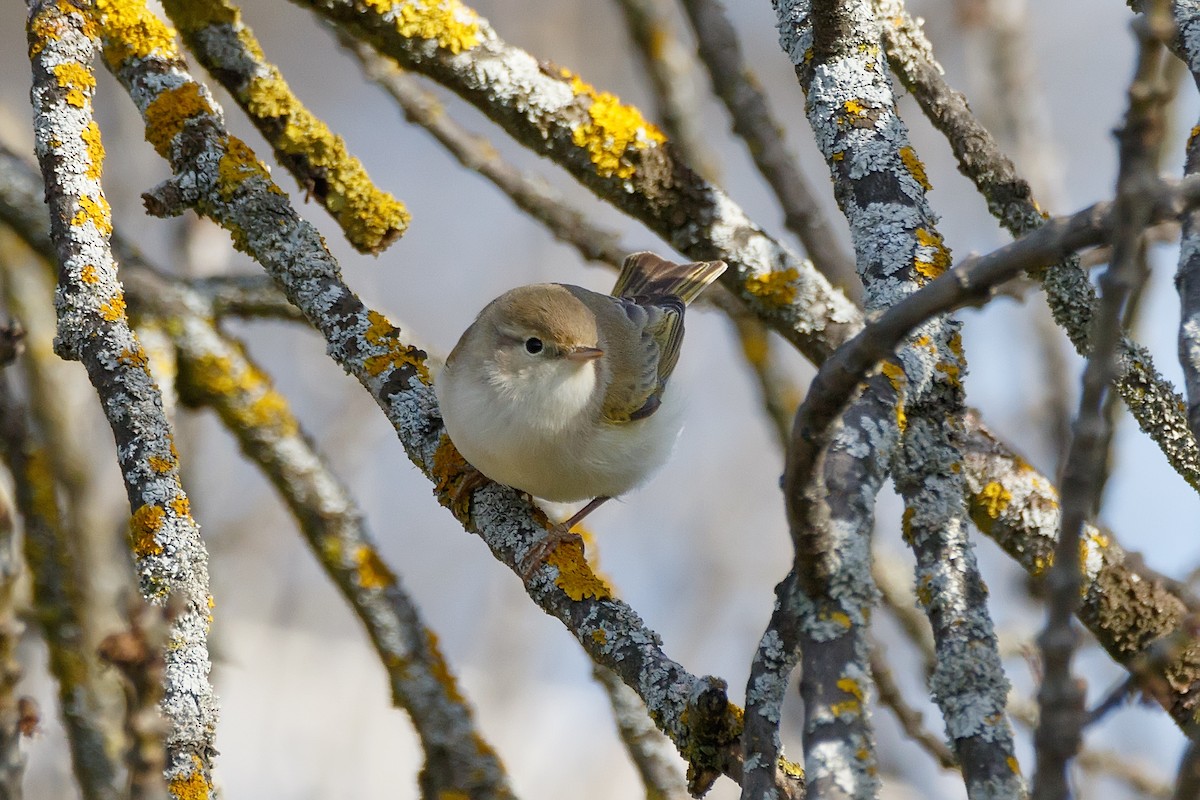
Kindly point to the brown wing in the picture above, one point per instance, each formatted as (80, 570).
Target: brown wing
(655, 327)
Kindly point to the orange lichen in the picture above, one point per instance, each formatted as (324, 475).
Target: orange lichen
(88, 274)
(913, 164)
(144, 526)
(370, 571)
(575, 577)
(612, 130)
(131, 31)
(775, 289)
(170, 111)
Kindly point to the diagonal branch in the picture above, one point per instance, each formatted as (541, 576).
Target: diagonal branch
(171, 558)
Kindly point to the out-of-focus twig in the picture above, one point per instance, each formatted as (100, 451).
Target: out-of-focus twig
(737, 87)
(1060, 699)
(910, 719)
(652, 754)
(669, 65)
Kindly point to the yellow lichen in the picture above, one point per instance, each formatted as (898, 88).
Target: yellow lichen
(994, 498)
(96, 211)
(193, 15)
(134, 358)
(452, 476)
(41, 483)
(372, 219)
(78, 80)
(896, 377)
(170, 111)
(89, 275)
(906, 519)
(380, 333)
(575, 577)
(852, 706)
(439, 668)
(237, 165)
(131, 31)
(840, 617)
(854, 108)
(193, 786)
(448, 22)
(930, 264)
(611, 130)
(914, 166)
(924, 591)
(113, 309)
(775, 289)
(370, 571)
(600, 636)
(950, 370)
(144, 526)
(160, 465)
(95, 151)
(181, 506)
(1013, 765)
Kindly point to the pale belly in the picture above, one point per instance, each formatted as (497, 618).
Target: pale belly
(579, 462)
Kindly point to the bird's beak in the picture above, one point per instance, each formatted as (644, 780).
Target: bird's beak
(584, 353)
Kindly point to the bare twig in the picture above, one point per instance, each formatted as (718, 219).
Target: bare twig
(737, 87)
(1061, 717)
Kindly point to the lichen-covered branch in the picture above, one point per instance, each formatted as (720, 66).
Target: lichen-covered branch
(1151, 399)
(93, 329)
(669, 66)
(213, 29)
(610, 148)
(1060, 699)
(541, 201)
(1187, 276)
(880, 186)
(217, 373)
(55, 570)
(218, 175)
(12, 757)
(738, 89)
(652, 754)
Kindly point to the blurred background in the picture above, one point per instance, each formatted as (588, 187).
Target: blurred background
(305, 707)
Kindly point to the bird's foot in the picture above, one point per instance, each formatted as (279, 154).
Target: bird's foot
(541, 551)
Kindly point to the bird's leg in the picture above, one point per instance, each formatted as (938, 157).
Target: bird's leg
(578, 516)
(555, 536)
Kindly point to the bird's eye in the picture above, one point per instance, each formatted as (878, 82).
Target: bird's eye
(533, 345)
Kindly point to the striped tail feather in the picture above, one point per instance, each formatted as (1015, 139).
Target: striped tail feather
(647, 275)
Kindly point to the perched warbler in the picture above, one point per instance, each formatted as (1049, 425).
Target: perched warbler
(562, 392)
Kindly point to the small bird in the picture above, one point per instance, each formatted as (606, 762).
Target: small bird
(562, 392)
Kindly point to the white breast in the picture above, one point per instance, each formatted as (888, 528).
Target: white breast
(543, 434)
